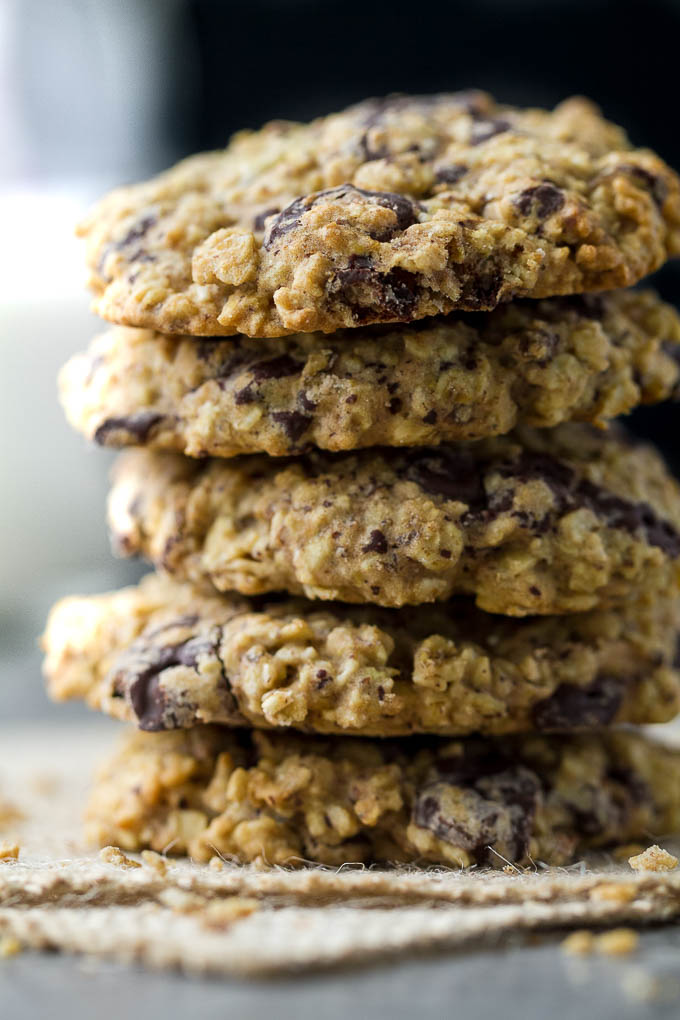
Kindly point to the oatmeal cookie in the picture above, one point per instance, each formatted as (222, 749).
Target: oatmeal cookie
(554, 521)
(276, 798)
(167, 655)
(390, 211)
(539, 363)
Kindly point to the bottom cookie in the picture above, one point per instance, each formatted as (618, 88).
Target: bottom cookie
(283, 799)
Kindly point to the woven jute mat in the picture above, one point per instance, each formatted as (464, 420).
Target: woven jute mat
(60, 894)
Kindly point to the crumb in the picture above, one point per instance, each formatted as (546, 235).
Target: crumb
(579, 943)
(216, 864)
(9, 851)
(653, 859)
(181, 902)
(114, 855)
(617, 942)
(155, 861)
(222, 913)
(511, 869)
(9, 946)
(217, 913)
(614, 892)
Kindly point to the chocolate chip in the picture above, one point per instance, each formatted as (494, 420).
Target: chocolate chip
(672, 350)
(431, 417)
(447, 472)
(289, 218)
(139, 669)
(377, 543)
(404, 209)
(495, 813)
(293, 423)
(573, 707)
(480, 290)
(148, 703)
(676, 656)
(656, 185)
(394, 406)
(245, 396)
(139, 229)
(259, 221)
(135, 428)
(571, 493)
(631, 517)
(279, 367)
(305, 402)
(450, 174)
(482, 130)
(543, 200)
(372, 295)
(274, 368)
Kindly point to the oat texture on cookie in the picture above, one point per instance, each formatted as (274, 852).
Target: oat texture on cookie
(457, 377)
(390, 211)
(554, 521)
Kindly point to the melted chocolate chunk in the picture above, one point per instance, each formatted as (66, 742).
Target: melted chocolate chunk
(655, 185)
(275, 368)
(543, 200)
(371, 294)
(138, 230)
(497, 813)
(450, 174)
(137, 426)
(305, 402)
(676, 657)
(447, 472)
(572, 493)
(405, 211)
(480, 291)
(148, 703)
(259, 221)
(571, 707)
(261, 371)
(672, 350)
(139, 672)
(377, 543)
(293, 423)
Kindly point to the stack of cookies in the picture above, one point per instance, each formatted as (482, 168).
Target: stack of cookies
(409, 580)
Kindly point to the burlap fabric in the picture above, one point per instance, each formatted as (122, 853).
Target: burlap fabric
(60, 895)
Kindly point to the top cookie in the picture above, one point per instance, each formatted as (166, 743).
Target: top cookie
(393, 210)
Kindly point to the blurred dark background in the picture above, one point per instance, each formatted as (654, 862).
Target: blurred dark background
(99, 92)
